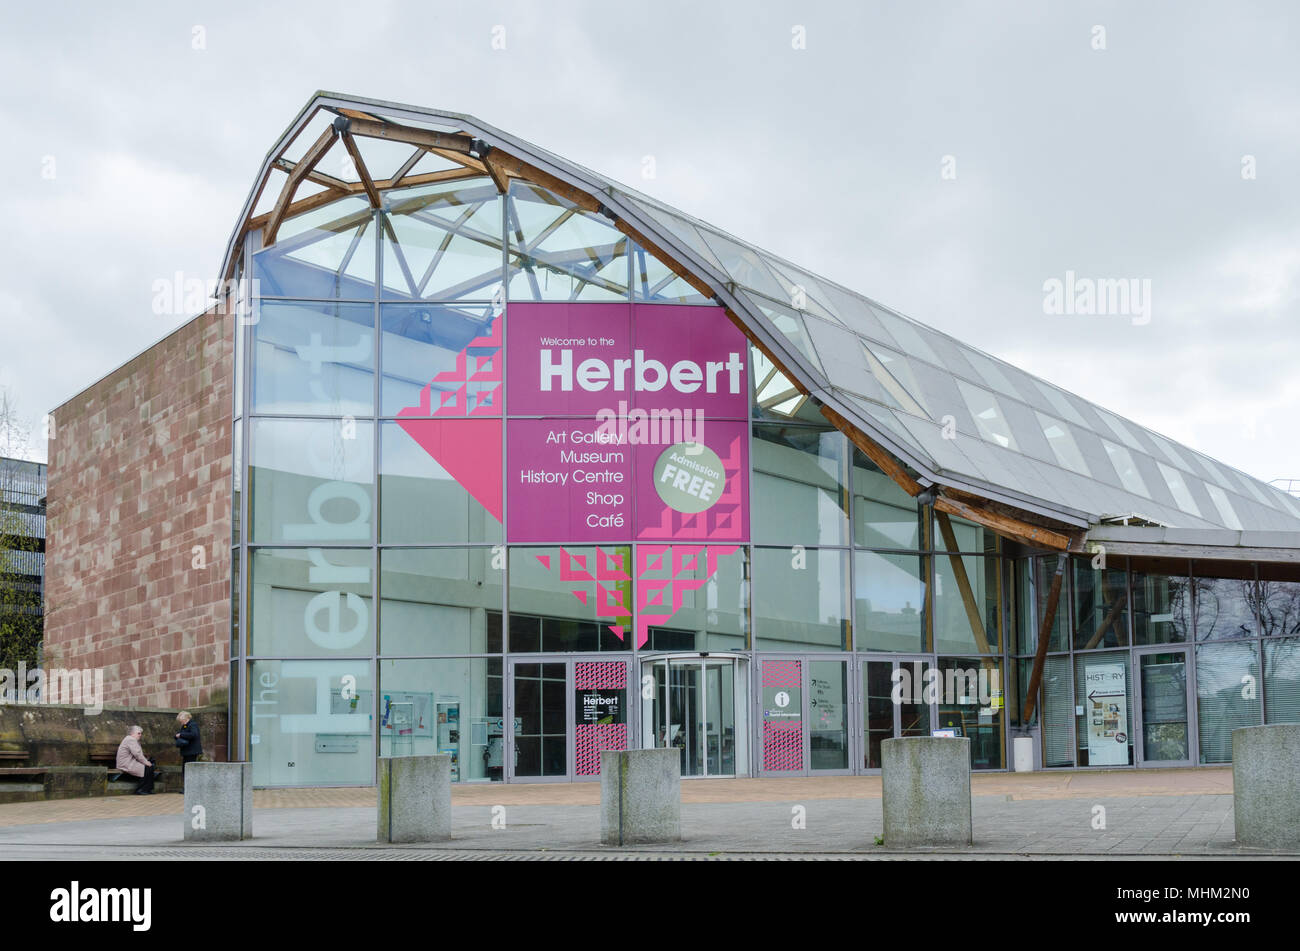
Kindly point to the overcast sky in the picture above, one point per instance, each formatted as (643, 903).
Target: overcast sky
(129, 151)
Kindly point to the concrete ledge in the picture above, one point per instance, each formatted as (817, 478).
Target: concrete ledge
(1266, 785)
(925, 791)
(414, 799)
(640, 796)
(218, 802)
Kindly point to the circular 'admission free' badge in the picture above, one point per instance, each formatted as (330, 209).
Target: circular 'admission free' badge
(689, 477)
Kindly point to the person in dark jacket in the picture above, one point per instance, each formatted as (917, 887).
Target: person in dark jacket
(188, 738)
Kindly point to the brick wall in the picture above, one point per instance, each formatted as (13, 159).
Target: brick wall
(139, 477)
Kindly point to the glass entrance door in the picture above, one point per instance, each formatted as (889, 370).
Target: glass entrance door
(698, 705)
(804, 715)
(895, 702)
(563, 713)
(1165, 730)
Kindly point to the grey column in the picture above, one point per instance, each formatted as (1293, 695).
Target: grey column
(640, 796)
(414, 799)
(218, 802)
(925, 785)
(1266, 785)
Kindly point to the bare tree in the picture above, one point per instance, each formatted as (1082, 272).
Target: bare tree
(22, 515)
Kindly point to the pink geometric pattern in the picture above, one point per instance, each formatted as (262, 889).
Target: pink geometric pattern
(658, 599)
(600, 675)
(611, 601)
(782, 746)
(782, 739)
(591, 738)
(723, 521)
(476, 380)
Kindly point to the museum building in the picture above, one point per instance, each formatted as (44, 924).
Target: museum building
(514, 463)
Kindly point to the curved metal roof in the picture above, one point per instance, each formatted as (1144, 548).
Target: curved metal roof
(958, 417)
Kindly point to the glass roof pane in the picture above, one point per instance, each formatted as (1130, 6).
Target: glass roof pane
(907, 336)
(951, 357)
(991, 373)
(893, 373)
(887, 422)
(1059, 403)
(1220, 500)
(856, 314)
(841, 355)
(1120, 430)
(1174, 479)
(790, 325)
(988, 416)
(685, 231)
(653, 281)
(802, 292)
(1063, 445)
(1172, 454)
(744, 266)
(1253, 488)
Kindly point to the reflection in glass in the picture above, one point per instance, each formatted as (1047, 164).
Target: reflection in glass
(314, 359)
(1282, 680)
(799, 599)
(541, 738)
(1224, 608)
(971, 702)
(312, 481)
(420, 501)
(439, 601)
(440, 359)
(828, 715)
(884, 516)
(311, 602)
(1222, 705)
(327, 253)
(1162, 611)
(1279, 607)
(1164, 707)
(1101, 606)
(889, 601)
(965, 604)
(798, 486)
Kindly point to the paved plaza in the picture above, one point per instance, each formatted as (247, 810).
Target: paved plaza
(1058, 815)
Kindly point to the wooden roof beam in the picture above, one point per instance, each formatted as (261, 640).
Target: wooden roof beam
(300, 171)
(363, 173)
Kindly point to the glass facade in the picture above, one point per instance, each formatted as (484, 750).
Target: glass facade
(409, 579)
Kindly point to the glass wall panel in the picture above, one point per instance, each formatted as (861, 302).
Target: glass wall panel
(314, 359)
(1101, 607)
(419, 500)
(312, 481)
(971, 702)
(1279, 607)
(1225, 699)
(958, 596)
(1225, 607)
(327, 253)
(968, 536)
(653, 281)
(884, 516)
(1025, 636)
(800, 599)
(311, 602)
(442, 241)
(799, 486)
(1282, 681)
(1162, 609)
(571, 599)
(712, 590)
(311, 723)
(451, 707)
(828, 710)
(440, 359)
(440, 601)
(889, 601)
(1104, 732)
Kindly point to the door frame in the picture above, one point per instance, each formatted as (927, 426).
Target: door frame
(1139, 725)
(740, 674)
(848, 661)
(860, 662)
(570, 662)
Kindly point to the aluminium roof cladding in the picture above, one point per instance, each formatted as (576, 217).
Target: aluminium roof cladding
(956, 415)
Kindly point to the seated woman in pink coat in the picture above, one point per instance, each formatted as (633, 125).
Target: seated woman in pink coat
(131, 760)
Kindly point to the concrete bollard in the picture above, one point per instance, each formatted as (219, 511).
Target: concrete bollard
(1266, 785)
(640, 796)
(925, 783)
(414, 799)
(218, 802)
